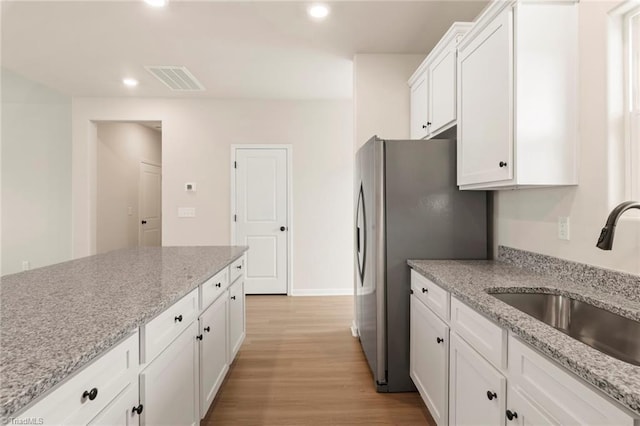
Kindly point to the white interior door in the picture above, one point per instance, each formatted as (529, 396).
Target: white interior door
(261, 217)
(150, 200)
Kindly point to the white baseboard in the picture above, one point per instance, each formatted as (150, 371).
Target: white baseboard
(322, 292)
(354, 329)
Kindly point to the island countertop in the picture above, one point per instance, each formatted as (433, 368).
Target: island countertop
(473, 281)
(56, 319)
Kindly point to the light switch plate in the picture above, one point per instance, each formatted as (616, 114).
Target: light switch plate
(186, 212)
(563, 228)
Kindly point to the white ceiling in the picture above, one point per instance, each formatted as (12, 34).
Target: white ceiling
(237, 49)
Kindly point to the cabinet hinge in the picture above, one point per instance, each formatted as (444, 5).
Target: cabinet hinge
(235, 164)
(235, 217)
(410, 291)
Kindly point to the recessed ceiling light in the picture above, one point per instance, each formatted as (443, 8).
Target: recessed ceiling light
(318, 11)
(130, 82)
(156, 3)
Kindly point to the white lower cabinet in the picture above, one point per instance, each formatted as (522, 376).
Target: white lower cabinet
(124, 410)
(89, 392)
(561, 395)
(429, 359)
(168, 373)
(523, 411)
(477, 389)
(236, 318)
(213, 351)
(168, 390)
(470, 378)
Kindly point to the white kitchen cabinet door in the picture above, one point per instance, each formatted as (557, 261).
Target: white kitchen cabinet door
(236, 318)
(419, 116)
(518, 106)
(485, 114)
(429, 359)
(121, 410)
(442, 90)
(477, 390)
(168, 389)
(521, 411)
(213, 351)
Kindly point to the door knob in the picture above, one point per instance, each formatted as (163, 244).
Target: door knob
(144, 222)
(137, 409)
(491, 395)
(511, 415)
(283, 228)
(502, 164)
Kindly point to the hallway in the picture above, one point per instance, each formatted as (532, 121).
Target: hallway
(299, 365)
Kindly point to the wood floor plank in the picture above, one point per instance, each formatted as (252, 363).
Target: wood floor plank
(299, 365)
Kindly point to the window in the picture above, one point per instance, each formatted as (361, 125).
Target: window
(632, 102)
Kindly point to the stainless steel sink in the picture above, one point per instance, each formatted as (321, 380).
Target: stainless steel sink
(603, 330)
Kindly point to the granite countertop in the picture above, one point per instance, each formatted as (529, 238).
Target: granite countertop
(58, 318)
(470, 281)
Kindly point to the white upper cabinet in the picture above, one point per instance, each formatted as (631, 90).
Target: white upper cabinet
(433, 87)
(517, 97)
(419, 106)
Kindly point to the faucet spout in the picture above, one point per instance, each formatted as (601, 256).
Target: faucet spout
(605, 241)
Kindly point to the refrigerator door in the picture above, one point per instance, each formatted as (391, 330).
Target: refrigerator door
(370, 263)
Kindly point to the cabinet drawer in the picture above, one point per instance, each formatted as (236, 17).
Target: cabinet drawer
(108, 376)
(163, 329)
(564, 397)
(236, 268)
(432, 295)
(489, 339)
(214, 287)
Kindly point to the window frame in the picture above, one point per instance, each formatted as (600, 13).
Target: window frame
(631, 64)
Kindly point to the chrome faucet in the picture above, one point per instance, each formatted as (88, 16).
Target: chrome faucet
(605, 241)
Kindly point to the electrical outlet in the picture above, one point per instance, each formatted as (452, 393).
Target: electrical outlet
(563, 228)
(26, 265)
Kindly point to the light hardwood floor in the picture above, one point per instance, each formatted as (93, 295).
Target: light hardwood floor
(299, 365)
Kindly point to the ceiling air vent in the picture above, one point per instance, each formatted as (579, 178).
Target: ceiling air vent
(178, 79)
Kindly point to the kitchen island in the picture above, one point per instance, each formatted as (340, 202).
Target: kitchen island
(472, 282)
(57, 319)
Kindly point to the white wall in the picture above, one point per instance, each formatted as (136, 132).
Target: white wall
(527, 219)
(196, 139)
(121, 148)
(381, 95)
(36, 174)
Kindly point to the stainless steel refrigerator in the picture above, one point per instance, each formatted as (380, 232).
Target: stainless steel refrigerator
(407, 207)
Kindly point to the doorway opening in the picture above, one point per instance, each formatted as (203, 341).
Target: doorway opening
(128, 185)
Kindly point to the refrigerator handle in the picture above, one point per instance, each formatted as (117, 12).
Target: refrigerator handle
(361, 213)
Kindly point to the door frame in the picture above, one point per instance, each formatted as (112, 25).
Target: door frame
(289, 150)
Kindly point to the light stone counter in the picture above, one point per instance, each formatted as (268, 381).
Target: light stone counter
(56, 319)
(471, 281)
